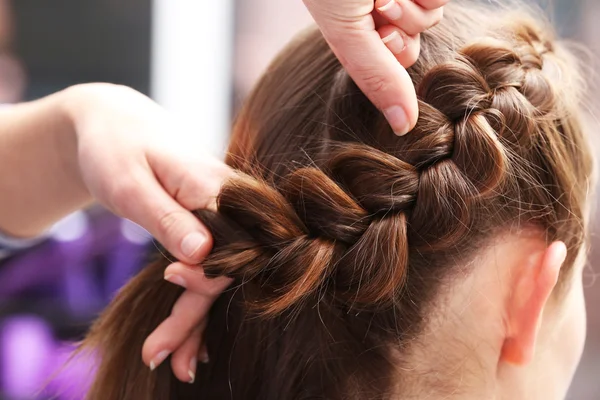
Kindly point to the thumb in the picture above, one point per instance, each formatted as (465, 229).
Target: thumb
(147, 203)
(375, 70)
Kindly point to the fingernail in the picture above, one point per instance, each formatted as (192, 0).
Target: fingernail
(191, 243)
(192, 370)
(391, 10)
(176, 279)
(204, 359)
(160, 357)
(394, 42)
(398, 119)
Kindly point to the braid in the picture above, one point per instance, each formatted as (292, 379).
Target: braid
(319, 229)
(292, 241)
(347, 238)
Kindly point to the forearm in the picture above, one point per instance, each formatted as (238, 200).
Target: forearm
(39, 175)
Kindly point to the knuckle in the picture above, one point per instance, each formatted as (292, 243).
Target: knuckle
(212, 291)
(432, 4)
(433, 18)
(374, 84)
(213, 287)
(196, 193)
(168, 222)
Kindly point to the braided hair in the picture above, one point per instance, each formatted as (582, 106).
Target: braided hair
(341, 236)
(314, 231)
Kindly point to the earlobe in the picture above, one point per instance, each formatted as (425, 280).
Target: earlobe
(532, 288)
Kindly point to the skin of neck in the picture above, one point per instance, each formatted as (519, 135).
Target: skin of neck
(499, 330)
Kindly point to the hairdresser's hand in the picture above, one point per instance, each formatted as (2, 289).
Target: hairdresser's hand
(135, 161)
(374, 40)
(181, 334)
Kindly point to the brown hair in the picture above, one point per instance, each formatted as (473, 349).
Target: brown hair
(340, 234)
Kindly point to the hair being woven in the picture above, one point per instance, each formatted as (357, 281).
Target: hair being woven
(339, 234)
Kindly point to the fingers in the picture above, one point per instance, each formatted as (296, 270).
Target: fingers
(405, 48)
(146, 203)
(193, 279)
(185, 359)
(189, 311)
(193, 180)
(410, 16)
(431, 4)
(378, 74)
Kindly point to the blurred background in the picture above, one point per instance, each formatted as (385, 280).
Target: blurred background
(199, 59)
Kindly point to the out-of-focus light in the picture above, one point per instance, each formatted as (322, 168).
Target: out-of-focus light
(191, 66)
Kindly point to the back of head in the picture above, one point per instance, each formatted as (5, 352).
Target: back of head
(340, 235)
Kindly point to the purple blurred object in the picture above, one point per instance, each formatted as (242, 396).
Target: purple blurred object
(73, 374)
(86, 258)
(73, 241)
(66, 262)
(26, 348)
(69, 241)
(38, 367)
(29, 269)
(125, 259)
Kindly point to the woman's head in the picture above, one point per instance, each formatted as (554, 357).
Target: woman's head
(372, 266)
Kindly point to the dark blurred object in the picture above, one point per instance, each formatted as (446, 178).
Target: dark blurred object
(50, 294)
(65, 42)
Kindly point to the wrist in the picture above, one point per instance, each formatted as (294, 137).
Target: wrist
(44, 164)
(79, 101)
(72, 106)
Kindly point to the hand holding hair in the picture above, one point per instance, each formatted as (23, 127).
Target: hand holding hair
(150, 174)
(135, 160)
(375, 42)
(112, 144)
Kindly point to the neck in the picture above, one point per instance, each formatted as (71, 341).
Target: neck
(466, 340)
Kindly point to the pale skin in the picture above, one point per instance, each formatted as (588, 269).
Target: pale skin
(112, 145)
(503, 331)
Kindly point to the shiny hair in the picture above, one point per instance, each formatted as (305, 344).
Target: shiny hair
(339, 235)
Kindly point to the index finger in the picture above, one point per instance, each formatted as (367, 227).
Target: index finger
(376, 71)
(188, 312)
(194, 279)
(142, 199)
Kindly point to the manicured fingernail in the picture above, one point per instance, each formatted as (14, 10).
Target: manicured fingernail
(176, 279)
(205, 359)
(192, 370)
(160, 357)
(394, 42)
(391, 10)
(191, 243)
(398, 119)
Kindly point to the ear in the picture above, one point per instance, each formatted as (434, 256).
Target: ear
(532, 286)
